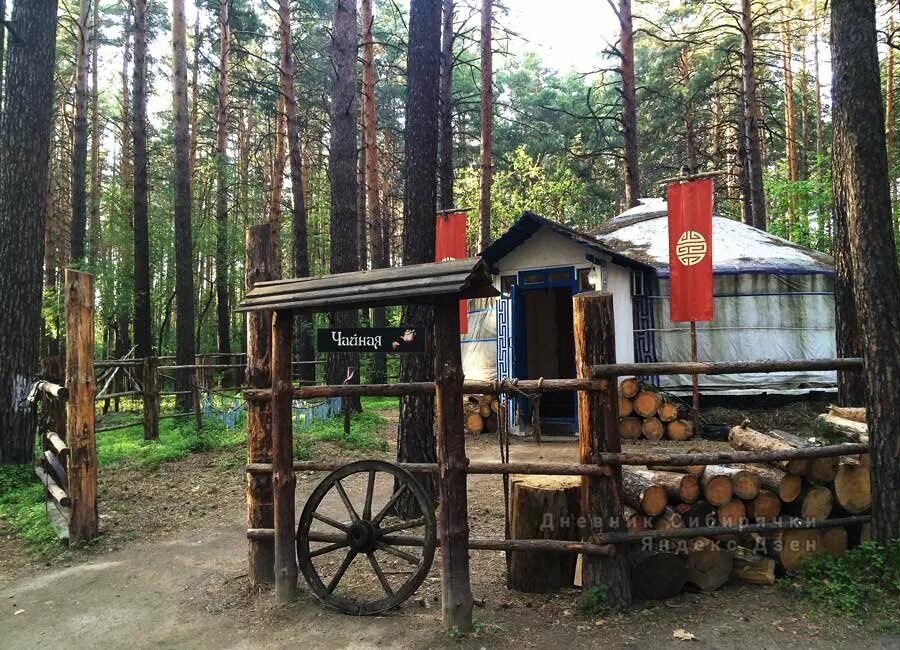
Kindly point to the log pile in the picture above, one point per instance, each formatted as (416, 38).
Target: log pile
(482, 414)
(644, 412)
(666, 497)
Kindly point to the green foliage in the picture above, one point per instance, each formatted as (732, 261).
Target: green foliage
(177, 439)
(594, 601)
(550, 189)
(22, 496)
(862, 584)
(22, 507)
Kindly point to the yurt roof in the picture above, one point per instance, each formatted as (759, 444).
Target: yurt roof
(642, 233)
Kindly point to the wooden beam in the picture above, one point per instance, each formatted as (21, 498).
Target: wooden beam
(721, 367)
(283, 479)
(81, 385)
(53, 489)
(260, 514)
(598, 432)
(453, 519)
(151, 398)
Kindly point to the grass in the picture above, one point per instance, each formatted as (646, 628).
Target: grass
(863, 584)
(22, 506)
(22, 496)
(594, 601)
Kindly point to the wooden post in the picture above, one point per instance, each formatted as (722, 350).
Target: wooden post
(695, 380)
(81, 384)
(283, 479)
(195, 389)
(150, 378)
(453, 516)
(258, 268)
(601, 496)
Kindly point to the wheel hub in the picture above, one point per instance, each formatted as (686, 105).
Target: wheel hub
(362, 537)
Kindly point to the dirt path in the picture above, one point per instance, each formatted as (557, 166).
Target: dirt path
(186, 587)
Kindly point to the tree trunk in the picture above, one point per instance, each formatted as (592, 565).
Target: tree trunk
(790, 134)
(79, 151)
(487, 123)
(372, 179)
(25, 128)
(300, 237)
(94, 222)
(534, 499)
(751, 119)
(743, 161)
(629, 106)
(142, 311)
(2, 50)
(195, 96)
(184, 255)
(889, 92)
(342, 163)
(415, 435)
(275, 212)
(862, 205)
(445, 171)
(223, 261)
(602, 497)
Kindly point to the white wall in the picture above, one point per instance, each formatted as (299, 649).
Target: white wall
(547, 249)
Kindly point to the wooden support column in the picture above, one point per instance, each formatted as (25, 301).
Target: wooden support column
(598, 432)
(283, 479)
(195, 390)
(258, 268)
(82, 387)
(150, 379)
(453, 516)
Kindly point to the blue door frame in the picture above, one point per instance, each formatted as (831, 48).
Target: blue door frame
(559, 277)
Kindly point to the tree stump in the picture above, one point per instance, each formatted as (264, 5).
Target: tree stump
(543, 507)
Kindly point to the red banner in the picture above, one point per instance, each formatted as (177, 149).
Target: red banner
(450, 244)
(690, 251)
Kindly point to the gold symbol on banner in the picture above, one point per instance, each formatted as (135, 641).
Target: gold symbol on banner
(691, 248)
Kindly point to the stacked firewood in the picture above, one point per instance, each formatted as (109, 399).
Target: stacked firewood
(482, 414)
(700, 497)
(644, 412)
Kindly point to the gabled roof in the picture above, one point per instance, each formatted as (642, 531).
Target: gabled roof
(417, 283)
(642, 233)
(530, 223)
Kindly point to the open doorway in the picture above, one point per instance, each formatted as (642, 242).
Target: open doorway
(546, 344)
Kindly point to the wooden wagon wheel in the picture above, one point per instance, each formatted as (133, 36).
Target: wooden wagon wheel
(366, 531)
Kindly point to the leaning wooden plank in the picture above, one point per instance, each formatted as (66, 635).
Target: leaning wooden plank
(744, 438)
(56, 493)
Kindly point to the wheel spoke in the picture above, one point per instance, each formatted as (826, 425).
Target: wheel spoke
(347, 504)
(351, 555)
(403, 555)
(381, 577)
(327, 549)
(390, 504)
(331, 522)
(370, 491)
(403, 525)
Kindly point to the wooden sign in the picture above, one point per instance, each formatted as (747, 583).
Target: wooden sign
(385, 339)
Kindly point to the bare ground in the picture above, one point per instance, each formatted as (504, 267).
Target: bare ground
(170, 571)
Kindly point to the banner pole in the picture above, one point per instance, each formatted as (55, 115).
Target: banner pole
(695, 381)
